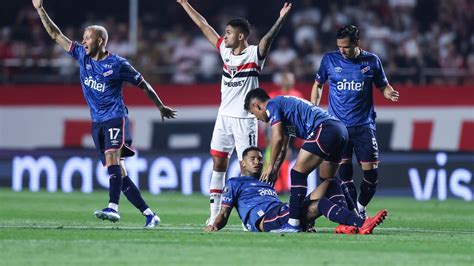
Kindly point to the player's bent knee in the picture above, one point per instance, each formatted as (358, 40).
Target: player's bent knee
(220, 164)
(369, 166)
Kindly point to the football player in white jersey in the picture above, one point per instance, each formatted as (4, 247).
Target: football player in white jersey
(235, 127)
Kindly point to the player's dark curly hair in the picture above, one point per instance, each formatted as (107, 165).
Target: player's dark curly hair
(249, 149)
(242, 24)
(350, 31)
(258, 93)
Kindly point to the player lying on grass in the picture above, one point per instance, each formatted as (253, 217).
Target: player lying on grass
(261, 210)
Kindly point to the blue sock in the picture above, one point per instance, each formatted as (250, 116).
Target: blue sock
(338, 214)
(115, 183)
(345, 173)
(133, 194)
(299, 188)
(368, 186)
(335, 194)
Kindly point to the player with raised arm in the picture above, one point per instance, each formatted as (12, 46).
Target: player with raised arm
(102, 75)
(234, 127)
(351, 72)
(261, 210)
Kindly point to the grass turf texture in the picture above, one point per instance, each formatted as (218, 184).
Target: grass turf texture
(57, 229)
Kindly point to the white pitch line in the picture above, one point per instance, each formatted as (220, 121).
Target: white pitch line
(234, 228)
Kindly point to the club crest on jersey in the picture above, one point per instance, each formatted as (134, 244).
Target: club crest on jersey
(365, 69)
(232, 70)
(108, 73)
(338, 69)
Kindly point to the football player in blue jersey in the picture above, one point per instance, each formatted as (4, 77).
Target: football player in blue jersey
(325, 138)
(102, 74)
(350, 72)
(261, 210)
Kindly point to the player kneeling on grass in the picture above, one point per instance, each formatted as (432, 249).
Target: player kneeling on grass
(261, 210)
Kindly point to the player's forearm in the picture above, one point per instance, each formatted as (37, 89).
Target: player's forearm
(277, 146)
(222, 218)
(280, 158)
(316, 93)
(197, 18)
(201, 22)
(150, 93)
(266, 41)
(48, 24)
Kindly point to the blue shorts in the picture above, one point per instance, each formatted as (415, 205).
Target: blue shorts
(113, 134)
(276, 217)
(328, 141)
(363, 143)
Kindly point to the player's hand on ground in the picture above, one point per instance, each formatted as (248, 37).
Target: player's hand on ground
(37, 3)
(390, 94)
(286, 8)
(167, 112)
(210, 228)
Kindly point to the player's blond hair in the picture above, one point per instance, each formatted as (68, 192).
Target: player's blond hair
(101, 32)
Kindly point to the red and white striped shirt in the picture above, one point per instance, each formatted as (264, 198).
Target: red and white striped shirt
(239, 76)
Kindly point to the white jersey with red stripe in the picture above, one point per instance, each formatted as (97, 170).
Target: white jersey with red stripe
(239, 76)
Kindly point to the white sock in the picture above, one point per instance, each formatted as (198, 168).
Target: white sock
(294, 222)
(215, 205)
(360, 207)
(113, 206)
(215, 195)
(147, 212)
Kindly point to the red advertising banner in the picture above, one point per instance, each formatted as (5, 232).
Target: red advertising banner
(427, 118)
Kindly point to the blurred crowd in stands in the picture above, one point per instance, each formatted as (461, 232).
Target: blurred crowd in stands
(419, 41)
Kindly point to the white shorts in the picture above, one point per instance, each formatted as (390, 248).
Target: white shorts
(230, 132)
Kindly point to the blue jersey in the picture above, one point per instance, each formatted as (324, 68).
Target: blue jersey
(251, 198)
(102, 81)
(300, 117)
(350, 86)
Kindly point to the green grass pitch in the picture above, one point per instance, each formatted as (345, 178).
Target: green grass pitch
(59, 229)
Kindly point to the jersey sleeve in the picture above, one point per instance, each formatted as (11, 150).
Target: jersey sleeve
(380, 80)
(77, 51)
(273, 113)
(257, 58)
(129, 73)
(219, 44)
(228, 194)
(322, 74)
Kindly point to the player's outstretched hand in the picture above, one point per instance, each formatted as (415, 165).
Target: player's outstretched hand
(37, 3)
(267, 174)
(181, 1)
(210, 228)
(286, 8)
(390, 94)
(167, 112)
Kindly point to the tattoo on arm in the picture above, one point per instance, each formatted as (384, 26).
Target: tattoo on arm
(53, 30)
(48, 24)
(266, 41)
